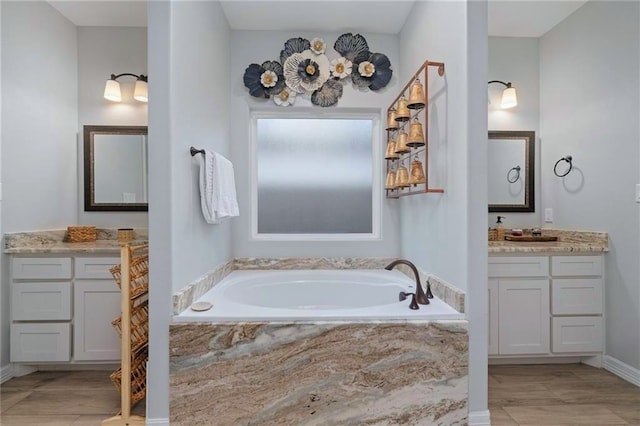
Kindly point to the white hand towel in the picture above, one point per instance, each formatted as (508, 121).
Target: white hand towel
(217, 188)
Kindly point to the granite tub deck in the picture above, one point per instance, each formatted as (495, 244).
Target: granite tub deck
(194, 290)
(329, 373)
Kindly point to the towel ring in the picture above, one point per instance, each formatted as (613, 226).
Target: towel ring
(568, 159)
(517, 174)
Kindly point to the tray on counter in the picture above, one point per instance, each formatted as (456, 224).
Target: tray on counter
(530, 238)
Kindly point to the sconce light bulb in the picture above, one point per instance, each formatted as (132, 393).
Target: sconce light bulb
(509, 97)
(112, 91)
(140, 91)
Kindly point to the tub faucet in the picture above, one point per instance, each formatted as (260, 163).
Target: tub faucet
(421, 297)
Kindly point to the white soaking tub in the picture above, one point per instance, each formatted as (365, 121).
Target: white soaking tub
(315, 295)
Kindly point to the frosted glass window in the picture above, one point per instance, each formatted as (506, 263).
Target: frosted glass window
(314, 176)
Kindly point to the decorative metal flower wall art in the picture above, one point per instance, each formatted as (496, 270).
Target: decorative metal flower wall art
(304, 69)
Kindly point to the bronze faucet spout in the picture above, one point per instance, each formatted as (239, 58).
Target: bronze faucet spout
(420, 295)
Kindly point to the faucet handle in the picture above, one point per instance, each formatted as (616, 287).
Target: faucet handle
(429, 294)
(414, 304)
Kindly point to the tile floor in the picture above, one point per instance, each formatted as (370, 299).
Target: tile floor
(57, 398)
(566, 394)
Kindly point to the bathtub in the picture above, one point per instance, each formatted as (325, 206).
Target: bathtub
(314, 295)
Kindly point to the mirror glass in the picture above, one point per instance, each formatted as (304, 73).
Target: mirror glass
(511, 171)
(115, 168)
(313, 176)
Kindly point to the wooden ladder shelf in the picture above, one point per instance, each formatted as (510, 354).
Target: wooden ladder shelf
(133, 276)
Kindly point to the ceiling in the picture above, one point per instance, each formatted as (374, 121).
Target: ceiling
(103, 13)
(514, 18)
(527, 18)
(312, 15)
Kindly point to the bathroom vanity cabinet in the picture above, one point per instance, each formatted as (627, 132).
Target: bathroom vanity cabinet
(546, 305)
(62, 307)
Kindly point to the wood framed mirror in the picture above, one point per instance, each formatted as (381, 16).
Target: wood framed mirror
(511, 170)
(115, 168)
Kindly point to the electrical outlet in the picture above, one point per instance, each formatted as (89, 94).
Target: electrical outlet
(548, 215)
(637, 192)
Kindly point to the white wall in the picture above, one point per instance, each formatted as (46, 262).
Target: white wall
(256, 47)
(189, 61)
(589, 103)
(103, 51)
(4, 291)
(445, 233)
(40, 118)
(515, 60)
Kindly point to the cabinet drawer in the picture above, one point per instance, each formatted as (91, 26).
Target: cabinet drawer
(582, 296)
(577, 334)
(40, 342)
(40, 301)
(534, 266)
(41, 268)
(95, 267)
(562, 266)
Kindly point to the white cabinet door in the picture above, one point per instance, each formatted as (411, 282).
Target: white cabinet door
(41, 268)
(41, 301)
(563, 266)
(96, 304)
(493, 317)
(577, 334)
(577, 296)
(524, 323)
(95, 267)
(40, 342)
(518, 266)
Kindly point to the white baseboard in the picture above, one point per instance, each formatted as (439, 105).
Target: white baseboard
(622, 370)
(163, 422)
(480, 418)
(6, 373)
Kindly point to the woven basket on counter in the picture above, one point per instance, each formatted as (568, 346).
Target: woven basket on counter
(81, 234)
(139, 275)
(493, 235)
(139, 326)
(138, 377)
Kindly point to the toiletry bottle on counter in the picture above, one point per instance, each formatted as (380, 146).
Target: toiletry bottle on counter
(500, 229)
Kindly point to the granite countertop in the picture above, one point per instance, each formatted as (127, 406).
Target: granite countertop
(568, 242)
(40, 242)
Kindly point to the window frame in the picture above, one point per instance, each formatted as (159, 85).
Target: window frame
(376, 181)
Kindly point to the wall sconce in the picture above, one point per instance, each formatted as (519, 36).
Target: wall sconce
(112, 88)
(509, 97)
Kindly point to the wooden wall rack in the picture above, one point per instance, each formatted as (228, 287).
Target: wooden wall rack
(422, 152)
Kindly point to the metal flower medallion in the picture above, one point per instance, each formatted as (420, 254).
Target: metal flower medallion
(305, 68)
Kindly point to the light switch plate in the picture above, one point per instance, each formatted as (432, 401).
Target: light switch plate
(548, 215)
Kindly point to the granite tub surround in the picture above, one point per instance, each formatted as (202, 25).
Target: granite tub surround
(184, 297)
(413, 373)
(244, 263)
(446, 292)
(568, 242)
(53, 241)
